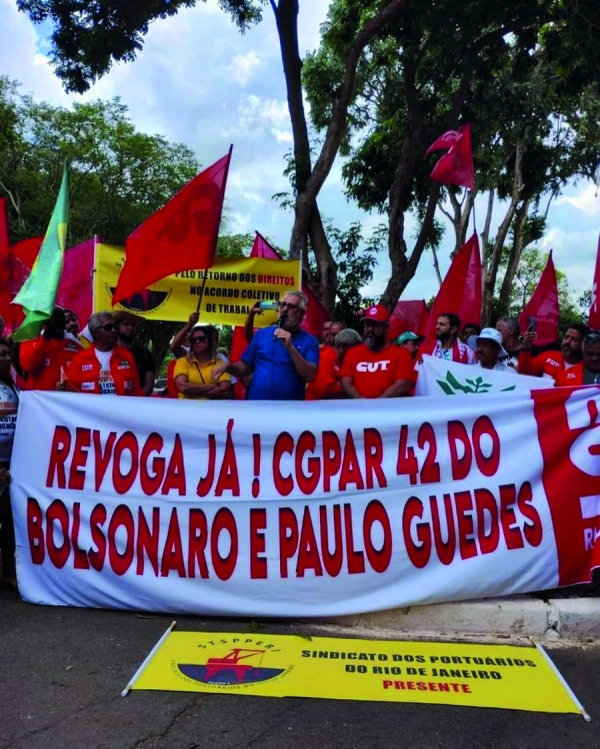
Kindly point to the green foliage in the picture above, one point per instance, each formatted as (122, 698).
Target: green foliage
(118, 176)
(500, 66)
(234, 245)
(90, 35)
(356, 258)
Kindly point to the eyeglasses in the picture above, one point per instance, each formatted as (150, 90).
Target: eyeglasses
(198, 339)
(594, 335)
(289, 305)
(109, 327)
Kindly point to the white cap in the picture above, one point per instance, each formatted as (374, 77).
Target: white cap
(491, 334)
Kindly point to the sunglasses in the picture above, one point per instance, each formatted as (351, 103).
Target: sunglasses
(593, 336)
(109, 327)
(198, 339)
(289, 305)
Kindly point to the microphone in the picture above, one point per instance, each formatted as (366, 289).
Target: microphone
(280, 321)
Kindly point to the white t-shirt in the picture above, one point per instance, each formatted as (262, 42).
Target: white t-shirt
(107, 384)
(9, 403)
(500, 366)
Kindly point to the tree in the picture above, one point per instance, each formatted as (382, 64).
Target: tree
(118, 176)
(446, 62)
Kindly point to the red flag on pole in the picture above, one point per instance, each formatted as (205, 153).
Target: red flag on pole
(75, 290)
(15, 263)
(182, 235)
(408, 315)
(594, 321)
(458, 294)
(261, 248)
(543, 305)
(456, 166)
(472, 297)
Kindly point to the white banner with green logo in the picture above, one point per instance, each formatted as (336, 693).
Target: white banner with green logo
(438, 376)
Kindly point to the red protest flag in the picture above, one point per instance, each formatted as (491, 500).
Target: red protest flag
(261, 248)
(182, 235)
(454, 296)
(543, 305)
(472, 296)
(75, 291)
(594, 321)
(408, 315)
(447, 140)
(15, 263)
(456, 166)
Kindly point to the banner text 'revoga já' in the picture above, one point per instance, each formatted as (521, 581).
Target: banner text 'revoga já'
(320, 539)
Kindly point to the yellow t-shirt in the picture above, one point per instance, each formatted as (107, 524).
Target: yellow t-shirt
(198, 373)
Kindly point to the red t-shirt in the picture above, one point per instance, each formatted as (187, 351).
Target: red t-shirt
(327, 382)
(372, 372)
(548, 362)
(570, 377)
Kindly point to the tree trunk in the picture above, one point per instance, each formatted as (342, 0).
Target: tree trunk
(485, 234)
(492, 270)
(286, 17)
(306, 200)
(515, 256)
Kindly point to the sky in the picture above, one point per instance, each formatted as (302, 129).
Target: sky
(198, 81)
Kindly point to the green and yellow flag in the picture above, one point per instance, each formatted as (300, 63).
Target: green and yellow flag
(38, 294)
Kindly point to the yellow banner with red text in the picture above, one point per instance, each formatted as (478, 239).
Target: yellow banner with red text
(232, 287)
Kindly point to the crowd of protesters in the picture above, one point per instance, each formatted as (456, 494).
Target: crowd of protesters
(281, 362)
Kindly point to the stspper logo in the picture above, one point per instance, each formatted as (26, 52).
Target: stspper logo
(232, 666)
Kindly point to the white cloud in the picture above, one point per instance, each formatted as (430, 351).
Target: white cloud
(587, 200)
(243, 67)
(282, 136)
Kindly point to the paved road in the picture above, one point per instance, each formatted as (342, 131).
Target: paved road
(61, 672)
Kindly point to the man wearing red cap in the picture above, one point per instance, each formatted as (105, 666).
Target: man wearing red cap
(376, 368)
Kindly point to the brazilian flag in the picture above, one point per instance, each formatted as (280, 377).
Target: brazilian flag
(38, 294)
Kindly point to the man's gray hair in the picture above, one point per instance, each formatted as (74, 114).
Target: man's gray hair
(347, 337)
(96, 320)
(512, 324)
(301, 297)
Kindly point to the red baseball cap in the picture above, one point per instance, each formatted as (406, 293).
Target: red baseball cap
(378, 312)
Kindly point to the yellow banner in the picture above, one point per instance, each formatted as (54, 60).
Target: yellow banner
(292, 666)
(232, 288)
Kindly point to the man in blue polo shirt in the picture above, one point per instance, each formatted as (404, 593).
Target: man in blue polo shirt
(282, 359)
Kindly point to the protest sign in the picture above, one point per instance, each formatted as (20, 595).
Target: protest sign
(504, 676)
(287, 509)
(441, 377)
(233, 286)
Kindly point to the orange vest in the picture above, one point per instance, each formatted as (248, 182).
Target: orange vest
(84, 373)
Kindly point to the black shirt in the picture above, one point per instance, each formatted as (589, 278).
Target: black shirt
(144, 361)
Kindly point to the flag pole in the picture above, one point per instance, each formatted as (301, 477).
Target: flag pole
(201, 294)
(93, 273)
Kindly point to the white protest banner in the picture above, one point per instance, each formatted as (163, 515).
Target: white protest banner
(291, 509)
(441, 377)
